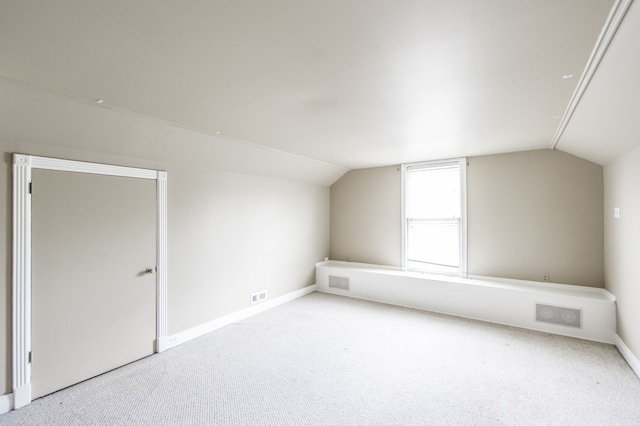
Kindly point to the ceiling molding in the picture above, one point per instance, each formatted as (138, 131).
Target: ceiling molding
(608, 32)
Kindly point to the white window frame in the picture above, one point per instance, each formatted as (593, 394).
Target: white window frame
(462, 163)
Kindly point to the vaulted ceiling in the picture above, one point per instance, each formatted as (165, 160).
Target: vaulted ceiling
(319, 87)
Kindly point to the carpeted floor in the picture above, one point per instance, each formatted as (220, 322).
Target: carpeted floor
(329, 360)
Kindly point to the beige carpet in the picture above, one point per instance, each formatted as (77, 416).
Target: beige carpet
(328, 360)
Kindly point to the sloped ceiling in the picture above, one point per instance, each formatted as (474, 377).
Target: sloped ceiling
(309, 89)
(606, 122)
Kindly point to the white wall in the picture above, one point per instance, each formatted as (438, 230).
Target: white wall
(528, 213)
(622, 243)
(233, 235)
(536, 212)
(365, 217)
(230, 235)
(240, 218)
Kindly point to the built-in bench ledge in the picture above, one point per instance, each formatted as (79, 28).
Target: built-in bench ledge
(569, 310)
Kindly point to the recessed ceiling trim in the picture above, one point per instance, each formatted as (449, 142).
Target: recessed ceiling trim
(613, 22)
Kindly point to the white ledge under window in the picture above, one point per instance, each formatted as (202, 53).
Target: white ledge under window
(499, 300)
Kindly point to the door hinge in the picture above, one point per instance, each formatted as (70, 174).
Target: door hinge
(30, 187)
(29, 357)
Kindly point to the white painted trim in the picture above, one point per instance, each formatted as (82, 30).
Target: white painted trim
(463, 222)
(497, 300)
(21, 280)
(162, 310)
(208, 327)
(357, 265)
(403, 212)
(613, 22)
(6, 403)
(92, 168)
(629, 356)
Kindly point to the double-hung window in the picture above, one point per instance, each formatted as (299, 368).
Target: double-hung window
(434, 209)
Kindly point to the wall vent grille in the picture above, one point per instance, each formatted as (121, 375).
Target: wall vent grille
(571, 317)
(341, 283)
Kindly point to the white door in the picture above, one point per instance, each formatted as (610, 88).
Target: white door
(93, 304)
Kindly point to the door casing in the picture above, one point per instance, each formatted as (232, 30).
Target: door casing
(21, 279)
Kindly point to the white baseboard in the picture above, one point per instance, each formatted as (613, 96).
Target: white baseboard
(629, 356)
(6, 403)
(200, 330)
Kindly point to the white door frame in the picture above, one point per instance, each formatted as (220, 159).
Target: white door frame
(22, 166)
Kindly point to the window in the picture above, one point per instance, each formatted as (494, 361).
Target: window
(434, 217)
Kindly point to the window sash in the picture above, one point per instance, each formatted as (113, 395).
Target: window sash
(426, 184)
(421, 253)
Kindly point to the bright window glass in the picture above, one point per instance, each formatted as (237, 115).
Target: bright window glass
(434, 222)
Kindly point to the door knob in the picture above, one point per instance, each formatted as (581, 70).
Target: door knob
(149, 270)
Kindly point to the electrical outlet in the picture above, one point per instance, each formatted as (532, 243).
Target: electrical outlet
(258, 297)
(545, 277)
